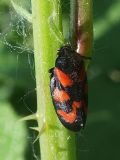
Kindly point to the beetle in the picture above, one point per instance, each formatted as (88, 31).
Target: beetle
(68, 87)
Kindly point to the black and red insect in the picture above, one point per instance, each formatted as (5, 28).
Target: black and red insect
(69, 88)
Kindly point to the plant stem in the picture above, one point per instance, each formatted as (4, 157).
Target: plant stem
(56, 142)
(82, 26)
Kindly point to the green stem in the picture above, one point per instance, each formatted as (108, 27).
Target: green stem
(56, 142)
(82, 26)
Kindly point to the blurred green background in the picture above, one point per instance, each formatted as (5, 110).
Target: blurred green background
(101, 137)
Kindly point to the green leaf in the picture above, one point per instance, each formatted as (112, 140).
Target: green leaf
(12, 134)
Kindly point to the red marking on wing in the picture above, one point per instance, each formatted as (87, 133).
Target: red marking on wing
(70, 117)
(77, 104)
(60, 95)
(63, 78)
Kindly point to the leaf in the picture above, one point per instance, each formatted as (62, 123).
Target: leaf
(12, 134)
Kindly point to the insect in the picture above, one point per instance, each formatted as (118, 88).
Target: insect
(68, 88)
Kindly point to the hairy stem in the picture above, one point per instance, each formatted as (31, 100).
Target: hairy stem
(56, 142)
